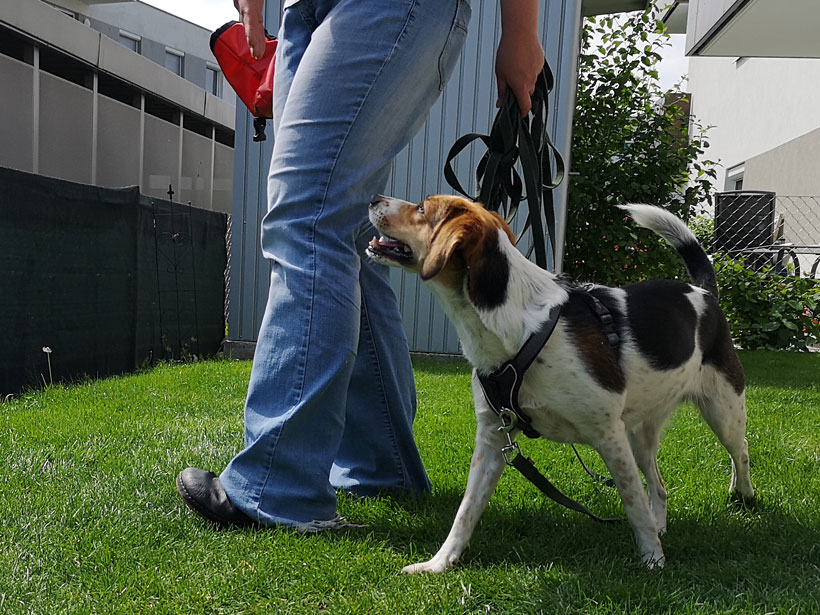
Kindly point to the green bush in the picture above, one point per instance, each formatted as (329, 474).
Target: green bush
(632, 142)
(704, 228)
(767, 310)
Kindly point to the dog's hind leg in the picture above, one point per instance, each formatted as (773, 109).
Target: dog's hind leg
(725, 412)
(617, 454)
(485, 470)
(645, 440)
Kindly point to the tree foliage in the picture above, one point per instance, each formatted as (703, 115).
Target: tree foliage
(629, 146)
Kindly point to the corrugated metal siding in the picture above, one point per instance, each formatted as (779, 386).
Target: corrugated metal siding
(466, 105)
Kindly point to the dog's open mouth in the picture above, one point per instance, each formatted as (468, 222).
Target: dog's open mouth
(390, 249)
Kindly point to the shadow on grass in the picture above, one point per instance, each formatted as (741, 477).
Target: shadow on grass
(737, 557)
(780, 370)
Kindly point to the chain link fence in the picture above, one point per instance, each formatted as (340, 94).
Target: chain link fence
(767, 230)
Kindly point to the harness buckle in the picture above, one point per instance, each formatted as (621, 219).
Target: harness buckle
(509, 421)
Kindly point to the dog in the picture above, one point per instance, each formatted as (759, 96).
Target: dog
(674, 346)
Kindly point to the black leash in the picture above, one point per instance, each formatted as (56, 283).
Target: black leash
(515, 139)
(531, 473)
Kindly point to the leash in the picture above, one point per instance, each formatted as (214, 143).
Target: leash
(515, 139)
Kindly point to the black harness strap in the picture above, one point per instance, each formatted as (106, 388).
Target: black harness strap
(604, 317)
(501, 387)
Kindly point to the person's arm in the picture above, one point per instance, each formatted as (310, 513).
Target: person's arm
(520, 57)
(250, 12)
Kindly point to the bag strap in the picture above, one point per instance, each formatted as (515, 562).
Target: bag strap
(515, 139)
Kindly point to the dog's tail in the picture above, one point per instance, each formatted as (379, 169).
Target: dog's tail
(675, 231)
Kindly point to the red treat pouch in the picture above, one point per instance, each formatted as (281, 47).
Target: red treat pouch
(251, 79)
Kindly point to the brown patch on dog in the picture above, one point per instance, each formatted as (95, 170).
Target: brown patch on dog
(459, 227)
(598, 356)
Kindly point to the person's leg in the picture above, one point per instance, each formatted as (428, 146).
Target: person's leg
(362, 87)
(381, 399)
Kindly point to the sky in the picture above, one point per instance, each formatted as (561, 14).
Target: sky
(213, 13)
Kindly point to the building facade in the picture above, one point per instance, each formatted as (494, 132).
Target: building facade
(754, 77)
(115, 94)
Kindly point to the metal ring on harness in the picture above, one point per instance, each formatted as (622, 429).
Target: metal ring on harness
(509, 420)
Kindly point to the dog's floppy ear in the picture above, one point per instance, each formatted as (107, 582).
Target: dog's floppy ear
(447, 238)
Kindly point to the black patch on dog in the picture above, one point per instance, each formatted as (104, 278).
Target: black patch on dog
(489, 276)
(699, 267)
(718, 350)
(662, 322)
(584, 326)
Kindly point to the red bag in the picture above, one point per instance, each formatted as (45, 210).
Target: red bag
(251, 79)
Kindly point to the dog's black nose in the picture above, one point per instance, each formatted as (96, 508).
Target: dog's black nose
(376, 199)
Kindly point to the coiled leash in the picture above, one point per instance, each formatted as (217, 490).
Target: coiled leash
(514, 139)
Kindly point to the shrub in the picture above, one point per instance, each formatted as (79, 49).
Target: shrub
(767, 310)
(704, 228)
(632, 143)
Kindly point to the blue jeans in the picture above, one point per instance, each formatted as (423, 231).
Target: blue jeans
(331, 399)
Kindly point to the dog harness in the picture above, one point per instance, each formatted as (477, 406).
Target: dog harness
(502, 386)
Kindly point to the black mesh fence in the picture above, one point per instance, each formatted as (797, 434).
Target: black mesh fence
(106, 280)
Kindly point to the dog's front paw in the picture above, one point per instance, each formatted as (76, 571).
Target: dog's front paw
(434, 565)
(654, 561)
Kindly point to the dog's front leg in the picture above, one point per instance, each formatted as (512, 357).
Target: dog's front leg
(485, 470)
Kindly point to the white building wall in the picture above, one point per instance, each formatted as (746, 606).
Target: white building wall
(753, 105)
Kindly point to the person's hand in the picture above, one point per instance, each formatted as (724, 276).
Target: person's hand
(520, 57)
(250, 12)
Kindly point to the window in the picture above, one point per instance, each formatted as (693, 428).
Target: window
(734, 177)
(132, 41)
(213, 80)
(174, 60)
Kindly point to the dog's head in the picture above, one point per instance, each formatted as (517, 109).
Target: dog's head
(445, 237)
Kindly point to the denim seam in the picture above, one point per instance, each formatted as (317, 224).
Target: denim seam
(299, 382)
(455, 25)
(303, 355)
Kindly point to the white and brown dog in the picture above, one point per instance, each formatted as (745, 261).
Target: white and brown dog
(675, 346)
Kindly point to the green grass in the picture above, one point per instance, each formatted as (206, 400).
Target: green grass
(90, 521)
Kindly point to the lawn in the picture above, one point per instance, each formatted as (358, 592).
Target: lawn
(90, 521)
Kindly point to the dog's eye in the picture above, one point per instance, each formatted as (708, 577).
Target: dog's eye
(420, 208)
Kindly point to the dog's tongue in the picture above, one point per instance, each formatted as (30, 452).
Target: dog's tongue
(386, 242)
(390, 244)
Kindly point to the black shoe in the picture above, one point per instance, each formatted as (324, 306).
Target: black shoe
(203, 493)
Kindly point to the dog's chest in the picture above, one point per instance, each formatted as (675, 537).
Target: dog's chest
(564, 402)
